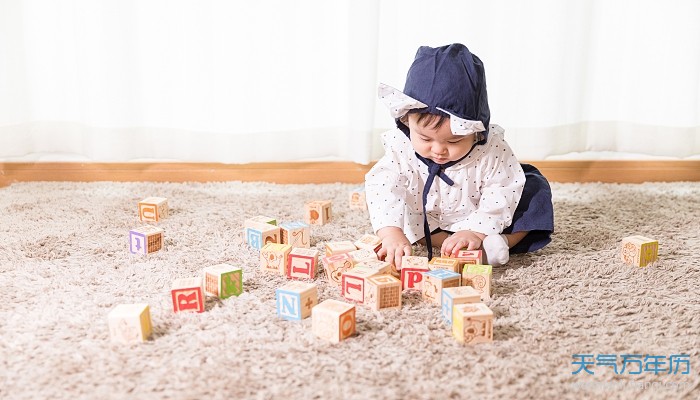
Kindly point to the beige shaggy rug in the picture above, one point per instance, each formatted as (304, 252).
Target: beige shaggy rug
(65, 264)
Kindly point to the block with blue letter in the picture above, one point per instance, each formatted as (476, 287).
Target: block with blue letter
(436, 280)
(457, 295)
(296, 299)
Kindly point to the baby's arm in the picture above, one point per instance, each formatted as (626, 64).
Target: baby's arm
(394, 245)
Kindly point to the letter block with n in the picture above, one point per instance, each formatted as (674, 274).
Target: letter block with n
(296, 299)
(188, 295)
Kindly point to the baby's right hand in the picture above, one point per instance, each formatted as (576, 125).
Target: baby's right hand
(395, 245)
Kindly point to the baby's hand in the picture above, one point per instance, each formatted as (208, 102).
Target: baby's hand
(461, 239)
(395, 245)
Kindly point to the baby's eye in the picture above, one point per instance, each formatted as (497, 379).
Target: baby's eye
(454, 141)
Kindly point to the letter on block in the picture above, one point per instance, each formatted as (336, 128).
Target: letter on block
(335, 266)
(223, 281)
(412, 270)
(302, 263)
(383, 291)
(639, 250)
(188, 295)
(296, 234)
(317, 212)
(450, 264)
(472, 323)
(273, 257)
(333, 320)
(358, 198)
(457, 295)
(153, 209)
(382, 267)
(296, 299)
(339, 247)
(260, 235)
(354, 283)
(478, 277)
(436, 280)
(145, 239)
(129, 323)
(465, 257)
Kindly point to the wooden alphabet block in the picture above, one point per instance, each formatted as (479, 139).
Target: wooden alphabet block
(259, 223)
(188, 295)
(639, 250)
(358, 198)
(223, 281)
(296, 234)
(296, 299)
(478, 277)
(472, 323)
(333, 320)
(436, 280)
(360, 255)
(335, 266)
(302, 263)
(465, 257)
(412, 270)
(273, 257)
(339, 247)
(262, 234)
(129, 323)
(317, 212)
(145, 239)
(383, 292)
(382, 267)
(450, 264)
(457, 295)
(354, 283)
(153, 209)
(368, 241)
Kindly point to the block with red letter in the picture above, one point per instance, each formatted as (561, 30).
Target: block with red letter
(472, 323)
(223, 281)
(333, 320)
(465, 257)
(273, 257)
(296, 299)
(436, 280)
(639, 250)
(339, 247)
(383, 292)
(335, 266)
(302, 263)
(354, 283)
(129, 323)
(153, 209)
(450, 264)
(478, 277)
(457, 295)
(317, 212)
(412, 270)
(358, 198)
(188, 295)
(296, 234)
(360, 255)
(145, 239)
(368, 241)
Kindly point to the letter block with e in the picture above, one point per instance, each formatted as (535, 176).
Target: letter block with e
(145, 239)
(129, 323)
(223, 281)
(153, 209)
(354, 283)
(296, 299)
(472, 323)
(188, 295)
(333, 320)
(302, 263)
(478, 277)
(639, 250)
(457, 295)
(436, 280)
(412, 270)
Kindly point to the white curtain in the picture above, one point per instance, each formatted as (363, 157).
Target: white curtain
(235, 82)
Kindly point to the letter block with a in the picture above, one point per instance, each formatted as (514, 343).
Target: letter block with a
(296, 299)
(472, 323)
(188, 295)
(302, 263)
(333, 320)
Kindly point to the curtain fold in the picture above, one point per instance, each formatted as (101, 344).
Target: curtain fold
(273, 80)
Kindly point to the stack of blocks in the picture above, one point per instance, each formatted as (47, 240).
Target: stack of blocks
(148, 238)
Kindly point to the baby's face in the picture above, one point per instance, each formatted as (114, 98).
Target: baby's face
(438, 144)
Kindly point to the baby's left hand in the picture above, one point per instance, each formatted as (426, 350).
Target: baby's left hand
(461, 239)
